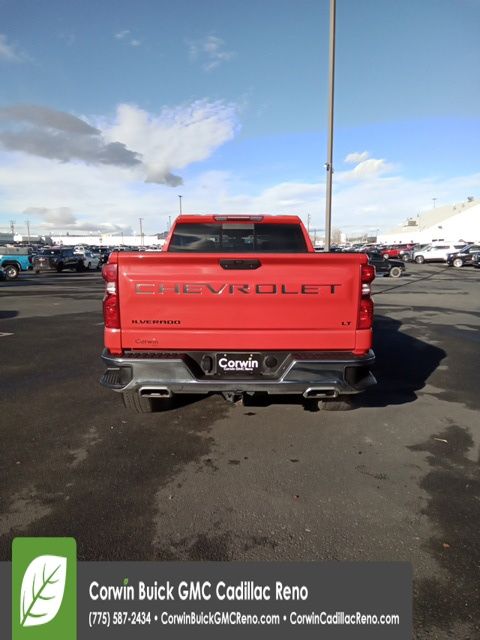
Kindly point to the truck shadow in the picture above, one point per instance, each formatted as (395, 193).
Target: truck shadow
(402, 367)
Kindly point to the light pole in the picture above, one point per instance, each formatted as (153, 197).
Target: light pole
(28, 230)
(329, 163)
(141, 231)
(434, 202)
(180, 204)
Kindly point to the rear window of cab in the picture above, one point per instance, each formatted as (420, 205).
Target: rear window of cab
(237, 237)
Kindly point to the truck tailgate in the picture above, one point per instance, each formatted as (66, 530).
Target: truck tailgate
(206, 301)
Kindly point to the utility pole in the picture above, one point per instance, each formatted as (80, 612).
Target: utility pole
(434, 201)
(141, 231)
(180, 204)
(308, 223)
(329, 163)
(28, 230)
(12, 227)
(169, 222)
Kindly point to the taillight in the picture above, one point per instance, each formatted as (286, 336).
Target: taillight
(368, 273)
(111, 311)
(365, 313)
(365, 309)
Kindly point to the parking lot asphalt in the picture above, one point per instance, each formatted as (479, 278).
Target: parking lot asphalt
(396, 478)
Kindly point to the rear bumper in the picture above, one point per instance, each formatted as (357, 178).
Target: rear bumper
(311, 374)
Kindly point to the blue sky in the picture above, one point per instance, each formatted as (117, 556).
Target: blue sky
(226, 104)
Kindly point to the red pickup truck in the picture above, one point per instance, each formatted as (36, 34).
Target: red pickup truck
(237, 305)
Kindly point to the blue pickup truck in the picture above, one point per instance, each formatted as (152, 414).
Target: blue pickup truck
(15, 259)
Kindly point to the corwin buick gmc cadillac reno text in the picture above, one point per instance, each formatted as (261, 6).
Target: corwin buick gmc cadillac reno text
(237, 304)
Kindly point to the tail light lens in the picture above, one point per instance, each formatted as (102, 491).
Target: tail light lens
(365, 309)
(111, 311)
(368, 273)
(365, 313)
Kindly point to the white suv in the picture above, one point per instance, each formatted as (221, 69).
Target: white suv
(437, 252)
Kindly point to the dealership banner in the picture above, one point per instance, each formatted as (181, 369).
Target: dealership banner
(46, 594)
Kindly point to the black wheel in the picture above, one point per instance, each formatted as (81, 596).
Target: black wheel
(11, 271)
(405, 257)
(80, 267)
(419, 259)
(60, 267)
(335, 404)
(457, 263)
(395, 272)
(132, 400)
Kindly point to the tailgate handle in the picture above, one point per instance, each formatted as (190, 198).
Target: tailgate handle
(240, 264)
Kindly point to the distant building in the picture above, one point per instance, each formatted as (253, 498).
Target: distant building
(107, 240)
(454, 222)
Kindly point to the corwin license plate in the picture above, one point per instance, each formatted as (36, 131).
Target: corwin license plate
(235, 363)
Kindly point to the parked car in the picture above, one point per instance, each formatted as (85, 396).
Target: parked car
(57, 260)
(14, 260)
(463, 257)
(385, 266)
(396, 250)
(91, 261)
(437, 252)
(407, 254)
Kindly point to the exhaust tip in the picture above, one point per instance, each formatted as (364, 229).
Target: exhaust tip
(320, 393)
(155, 392)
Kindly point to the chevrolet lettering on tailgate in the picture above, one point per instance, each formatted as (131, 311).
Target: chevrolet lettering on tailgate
(205, 287)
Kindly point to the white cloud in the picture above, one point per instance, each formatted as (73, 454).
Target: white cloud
(64, 219)
(161, 143)
(8, 52)
(356, 157)
(210, 52)
(126, 36)
(366, 169)
(174, 138)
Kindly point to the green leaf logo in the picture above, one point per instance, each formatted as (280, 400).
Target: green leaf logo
(43, 586)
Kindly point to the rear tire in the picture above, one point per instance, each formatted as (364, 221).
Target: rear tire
(419, 259)
(60, 267)
(132, 400)
(11, 271)
(457, 263)
(395, 272)
(335, 404)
